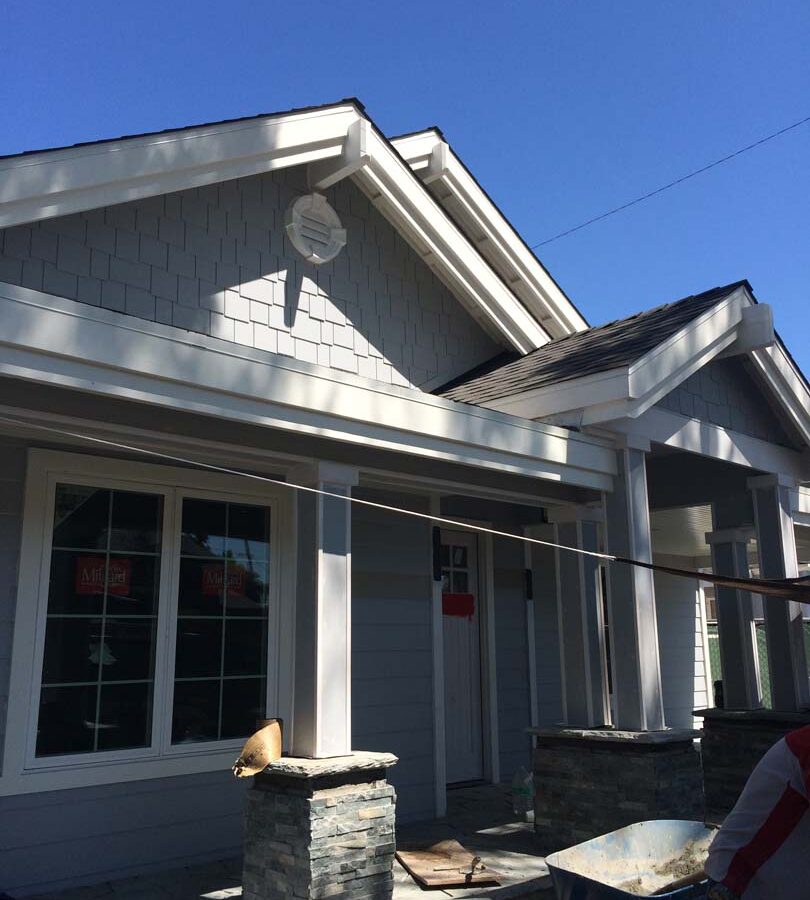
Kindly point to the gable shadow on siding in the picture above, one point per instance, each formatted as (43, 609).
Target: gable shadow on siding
(215, 260)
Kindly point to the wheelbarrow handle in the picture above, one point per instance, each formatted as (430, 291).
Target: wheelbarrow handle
(686, 881)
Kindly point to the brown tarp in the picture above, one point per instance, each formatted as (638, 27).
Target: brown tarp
(797, 589)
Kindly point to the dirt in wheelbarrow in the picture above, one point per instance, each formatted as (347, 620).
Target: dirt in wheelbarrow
(689, 862)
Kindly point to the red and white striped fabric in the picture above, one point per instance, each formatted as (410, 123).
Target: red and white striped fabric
(762, 852)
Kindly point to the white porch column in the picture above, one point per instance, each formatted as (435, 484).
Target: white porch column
(631, 606)
(581, 626)
(784, 630)
(735, 620)
(322, 707)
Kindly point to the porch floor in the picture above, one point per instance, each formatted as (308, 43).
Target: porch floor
(480, 818)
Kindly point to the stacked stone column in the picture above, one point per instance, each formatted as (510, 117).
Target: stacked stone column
(321, 829)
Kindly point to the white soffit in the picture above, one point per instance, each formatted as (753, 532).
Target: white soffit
(334, 141)
(432, 159)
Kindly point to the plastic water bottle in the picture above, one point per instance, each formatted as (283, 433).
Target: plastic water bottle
(522, 792)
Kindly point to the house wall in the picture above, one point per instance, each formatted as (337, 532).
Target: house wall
(392, 665)
(681, 641)
(725, 394)
(216, 260)
(53, 838)
(87, 835)
(511, 644)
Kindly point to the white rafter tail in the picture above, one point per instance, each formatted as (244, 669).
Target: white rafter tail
(355, 154)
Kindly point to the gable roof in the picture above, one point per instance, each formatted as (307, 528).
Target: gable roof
(334, 142)
(599, 349)
(616, 372)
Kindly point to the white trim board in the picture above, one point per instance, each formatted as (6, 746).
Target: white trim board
(434, 161)
(55, 341)
(336, 141)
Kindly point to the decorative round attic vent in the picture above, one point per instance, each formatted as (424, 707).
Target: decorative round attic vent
(314, 229)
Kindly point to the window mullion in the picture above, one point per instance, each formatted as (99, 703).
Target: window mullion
(103, 623)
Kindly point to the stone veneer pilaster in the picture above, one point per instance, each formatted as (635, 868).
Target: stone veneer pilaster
(321, 829)
(733, 742)
(591, 782)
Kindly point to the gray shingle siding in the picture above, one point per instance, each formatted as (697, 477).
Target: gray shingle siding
(216, 260)
(724, 393)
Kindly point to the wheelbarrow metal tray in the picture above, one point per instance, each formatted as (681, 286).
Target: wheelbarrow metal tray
(631, 862)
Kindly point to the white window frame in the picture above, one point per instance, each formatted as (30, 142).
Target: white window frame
(23, 772)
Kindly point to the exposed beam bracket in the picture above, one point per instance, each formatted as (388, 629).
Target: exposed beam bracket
(754, 332)
(437, 163)
(354, 156)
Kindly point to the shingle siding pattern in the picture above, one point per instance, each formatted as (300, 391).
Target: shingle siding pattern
(215, 260)
(725, 394)
(595, 350)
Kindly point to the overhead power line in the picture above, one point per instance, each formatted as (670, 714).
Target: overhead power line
(795, 589)
(666, 187)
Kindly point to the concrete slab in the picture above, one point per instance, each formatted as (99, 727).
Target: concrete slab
(481, 818)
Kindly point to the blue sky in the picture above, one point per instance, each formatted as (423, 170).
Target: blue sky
(561, 109)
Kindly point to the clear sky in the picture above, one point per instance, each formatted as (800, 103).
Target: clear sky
(561, 109)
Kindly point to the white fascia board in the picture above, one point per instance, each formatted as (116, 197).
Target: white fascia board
(575, 394)
(489, 229)
(406, 203)
(56, 341)
(681, 355)
(60, 182)
(696, 436)
(783, 377)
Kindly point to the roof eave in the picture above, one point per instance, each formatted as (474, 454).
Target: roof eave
(434, 161)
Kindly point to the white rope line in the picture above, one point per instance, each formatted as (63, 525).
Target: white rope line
(346, 498)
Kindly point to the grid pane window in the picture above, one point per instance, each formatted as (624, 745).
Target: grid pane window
(101, 627)
(222, 620)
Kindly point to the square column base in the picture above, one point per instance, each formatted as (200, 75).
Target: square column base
(318, 828)
(591, 781)
(733, 742)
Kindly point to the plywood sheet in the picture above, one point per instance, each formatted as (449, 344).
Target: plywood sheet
(446, 864)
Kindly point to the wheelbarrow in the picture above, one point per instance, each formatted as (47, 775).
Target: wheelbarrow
(637, 861)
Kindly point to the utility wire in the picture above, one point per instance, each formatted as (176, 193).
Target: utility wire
(795, 589)
(672, 184)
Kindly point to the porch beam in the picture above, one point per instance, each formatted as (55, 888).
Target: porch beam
(322, 708)
(784, 626)
(631, 604)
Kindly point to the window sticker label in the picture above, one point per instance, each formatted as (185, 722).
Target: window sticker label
(213, 579)
(90, 575)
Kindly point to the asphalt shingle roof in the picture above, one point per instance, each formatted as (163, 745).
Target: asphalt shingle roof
(588, 352)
